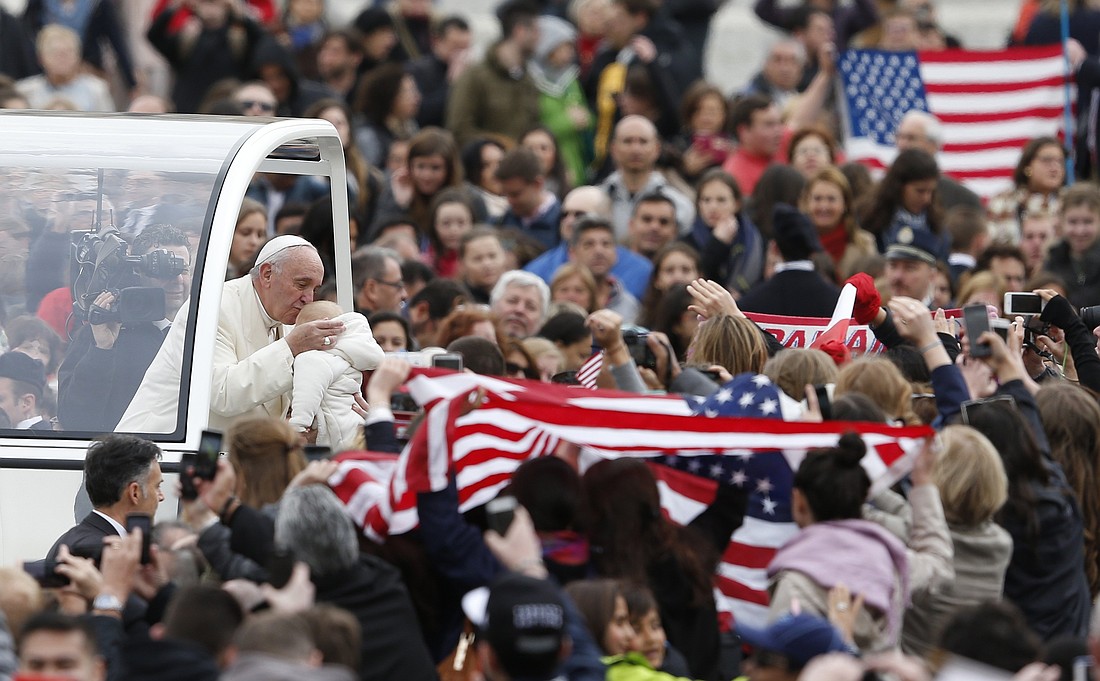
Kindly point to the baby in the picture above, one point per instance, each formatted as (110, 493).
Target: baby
(326, 381)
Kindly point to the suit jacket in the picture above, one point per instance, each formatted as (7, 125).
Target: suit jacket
(251, 375)
(794, 293)
(88, 533)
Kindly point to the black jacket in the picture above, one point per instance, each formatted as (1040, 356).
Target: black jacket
(165, 660)
(795, 293)
(392, 647)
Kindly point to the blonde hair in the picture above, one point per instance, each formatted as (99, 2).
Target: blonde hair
(881, 380)
(20, 598)
(795, 368)
(570, 270)
(982, 281)
(318, 309)
(733, 343)
(266, 456)
(970, 476)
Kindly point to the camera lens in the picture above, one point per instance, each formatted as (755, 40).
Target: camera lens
(1091, 316)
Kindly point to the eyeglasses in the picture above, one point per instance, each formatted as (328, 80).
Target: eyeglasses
(574, 213)
(253, 104)
(513, 368)
(399, 285)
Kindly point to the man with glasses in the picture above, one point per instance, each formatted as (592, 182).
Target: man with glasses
(376, 279)
(631, 269)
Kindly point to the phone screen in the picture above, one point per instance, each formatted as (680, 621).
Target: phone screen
(187, 472)
(447, 361)
(976, 321)
(210, 447)
(1023, 303)
(499, 513)
(135, 520)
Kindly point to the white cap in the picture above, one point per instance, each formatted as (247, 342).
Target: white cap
(280, 243)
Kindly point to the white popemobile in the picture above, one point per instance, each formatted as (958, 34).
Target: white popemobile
(75, 189)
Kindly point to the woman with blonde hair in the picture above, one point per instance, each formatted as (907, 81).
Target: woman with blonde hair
(266, 455)
(733, 343)
(982, 288)
(881, 380)
(828, 201)
(795, 368)
(574, 282)
(973, 487)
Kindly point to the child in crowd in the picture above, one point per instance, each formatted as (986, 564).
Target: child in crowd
(326, 381)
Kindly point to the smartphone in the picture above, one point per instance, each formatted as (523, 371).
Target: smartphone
(824, 404)
(968, 409)
(1000, 327)
(280, 567)
(210, 447)
(44, 573)
(401, 401)
(500, 512)
(136, 520)
(318, 452)
(976, 322)
(1025, 304)
(188, 461)
(447, 361)
(1082, 668)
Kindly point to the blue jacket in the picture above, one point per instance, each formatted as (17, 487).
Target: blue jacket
(544, 228)
(631, 269)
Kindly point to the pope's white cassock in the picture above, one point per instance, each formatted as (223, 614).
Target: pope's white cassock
(252, 369)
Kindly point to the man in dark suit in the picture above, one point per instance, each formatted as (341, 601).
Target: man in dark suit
(796, 289)
(22, 382)
(122, 476)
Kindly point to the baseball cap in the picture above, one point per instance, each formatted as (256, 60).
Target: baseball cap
(914, 244)
(799, 638)
(523, 620)
(280, 243)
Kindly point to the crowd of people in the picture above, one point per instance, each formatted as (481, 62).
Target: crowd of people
(580, 187)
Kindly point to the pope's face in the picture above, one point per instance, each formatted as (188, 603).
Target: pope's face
(286, 287)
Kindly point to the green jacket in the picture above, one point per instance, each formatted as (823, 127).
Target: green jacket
(573, 144)
(488, 99)
(634, 667)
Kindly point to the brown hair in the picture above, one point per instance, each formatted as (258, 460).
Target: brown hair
(1071, 419)
(693, 99)
(813, 131)
(266, 456)
(1027, 156)
(460, 323)
(432, 142)
(833, 176)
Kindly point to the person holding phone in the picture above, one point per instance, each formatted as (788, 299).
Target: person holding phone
(122, 475)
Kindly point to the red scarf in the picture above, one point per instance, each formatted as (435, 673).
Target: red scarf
(835, 241)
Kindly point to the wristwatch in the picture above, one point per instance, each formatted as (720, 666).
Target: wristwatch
(107, 602)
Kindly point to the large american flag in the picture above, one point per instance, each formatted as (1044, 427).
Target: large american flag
(990, 103)
(690, 455)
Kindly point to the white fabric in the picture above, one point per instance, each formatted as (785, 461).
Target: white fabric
(250, 376)
(326, 382)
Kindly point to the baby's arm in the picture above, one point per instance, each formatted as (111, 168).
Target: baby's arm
(312, 376)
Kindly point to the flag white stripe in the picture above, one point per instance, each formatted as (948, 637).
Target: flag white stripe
(680, 508)
(995, 102)
(753, 578)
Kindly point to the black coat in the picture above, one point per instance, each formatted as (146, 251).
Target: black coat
(89, 533)
(796, 293)
(392, 647)
(166, 660)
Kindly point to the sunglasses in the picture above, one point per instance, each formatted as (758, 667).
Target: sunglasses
(252, 104)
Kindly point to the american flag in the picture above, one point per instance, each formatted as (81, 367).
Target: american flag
(590, 370)
(517, 420)
(990, 103)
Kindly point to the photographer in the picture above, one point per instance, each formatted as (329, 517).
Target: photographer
(108, 359)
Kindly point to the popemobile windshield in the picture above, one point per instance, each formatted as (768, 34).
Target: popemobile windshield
(76, 191)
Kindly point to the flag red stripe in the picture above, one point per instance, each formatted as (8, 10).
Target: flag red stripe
(1038, 112)
(964, 147)
(734, 589)
(989, 88)
(747, 555)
